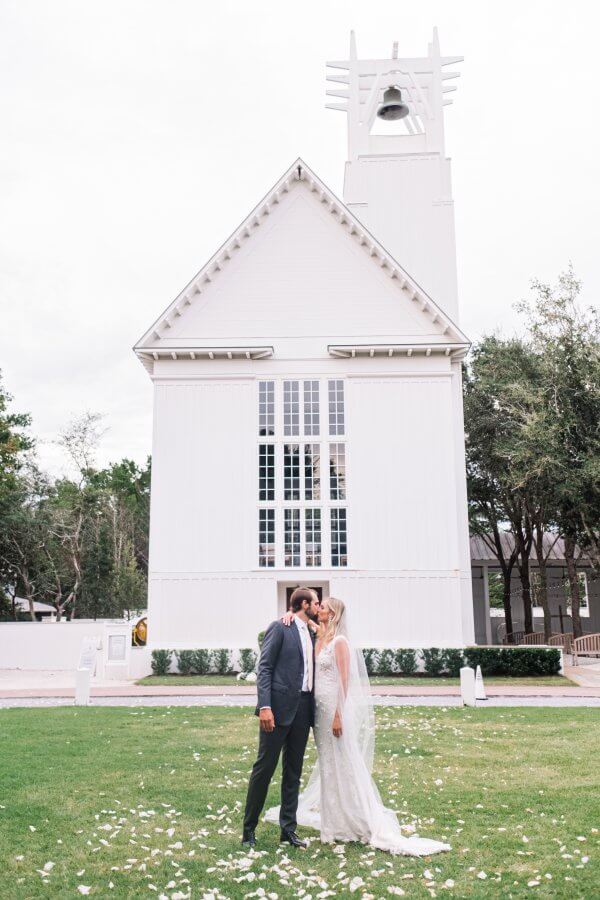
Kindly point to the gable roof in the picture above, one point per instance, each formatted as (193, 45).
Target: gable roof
(297, 172)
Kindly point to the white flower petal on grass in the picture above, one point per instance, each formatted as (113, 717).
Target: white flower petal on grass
(397, 891)
(481, 875)
(532, 883)
(84, 888)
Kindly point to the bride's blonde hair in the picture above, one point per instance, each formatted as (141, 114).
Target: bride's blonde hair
(337, 607)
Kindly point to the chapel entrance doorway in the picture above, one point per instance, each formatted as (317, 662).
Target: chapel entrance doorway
(285, 589)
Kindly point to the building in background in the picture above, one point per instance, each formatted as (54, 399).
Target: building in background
(308, 424)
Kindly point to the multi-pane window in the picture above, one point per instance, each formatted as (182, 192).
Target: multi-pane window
(291, 537)
(311, 407)
(337, 471)
(266, 408)
(291, 472)
(336, 407)
(266, 537)
(312, 523)
(291, 407)
(266, 472)
(339, 538)
(312, 472)
(302, 473)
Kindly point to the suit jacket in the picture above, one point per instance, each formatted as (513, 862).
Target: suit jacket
(281, 672)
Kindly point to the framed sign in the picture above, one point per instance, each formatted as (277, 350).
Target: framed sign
(116, 647)
(87, 655)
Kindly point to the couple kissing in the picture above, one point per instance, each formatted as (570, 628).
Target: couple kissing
(312, 674)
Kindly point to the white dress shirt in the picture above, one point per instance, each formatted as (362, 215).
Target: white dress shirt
(304, 639)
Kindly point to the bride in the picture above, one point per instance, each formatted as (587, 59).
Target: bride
(341, 799)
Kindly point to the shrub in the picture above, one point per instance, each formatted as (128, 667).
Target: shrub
(405, 662)
(515, 661)
(261, 637)
(385, 663)
(433, 661)
(161, 660)
(247, 660)
(453, 662)
(371, 659)
(221, 661)
(201, 661)
(185, 661)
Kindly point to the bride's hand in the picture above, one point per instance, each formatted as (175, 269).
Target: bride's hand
(337, 725)
(288, 618)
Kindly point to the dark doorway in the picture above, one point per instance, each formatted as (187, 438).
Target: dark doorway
(290, 590)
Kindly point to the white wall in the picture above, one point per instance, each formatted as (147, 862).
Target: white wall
(44, 645)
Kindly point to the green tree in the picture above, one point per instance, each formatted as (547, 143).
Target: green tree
(498, 372)
(559, 438)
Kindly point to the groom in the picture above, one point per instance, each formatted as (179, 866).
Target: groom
(286, 711)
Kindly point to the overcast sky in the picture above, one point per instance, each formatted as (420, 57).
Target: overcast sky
(138, 133)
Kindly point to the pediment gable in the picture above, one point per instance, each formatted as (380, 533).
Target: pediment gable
(301, 264)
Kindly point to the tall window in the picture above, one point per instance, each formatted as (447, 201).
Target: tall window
(311, 407)
(312, 524)
(339, 539)
(291, 472)
(302, 473)
(337, 471)
(266, 537)
(336, 407)
(291, 407)
(266, 472)
(291, 524)
(266, 408)
(312, 472)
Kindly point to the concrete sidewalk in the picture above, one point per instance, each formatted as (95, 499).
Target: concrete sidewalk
(27, 684)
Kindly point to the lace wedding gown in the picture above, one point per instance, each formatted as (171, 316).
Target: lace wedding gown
(341, 799)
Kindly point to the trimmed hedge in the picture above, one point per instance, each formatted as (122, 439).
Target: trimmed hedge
(161, 660)
(433, 661)
(515, 661)
(512, 661)
(201, 661)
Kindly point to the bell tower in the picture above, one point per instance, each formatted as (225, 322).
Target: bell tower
(397, 177)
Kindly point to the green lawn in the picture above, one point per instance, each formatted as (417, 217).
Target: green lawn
(147, 803)
(419, 681)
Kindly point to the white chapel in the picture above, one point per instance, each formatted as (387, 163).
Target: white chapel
(308, 423)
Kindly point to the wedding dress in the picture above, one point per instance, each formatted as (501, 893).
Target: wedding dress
(341, 799)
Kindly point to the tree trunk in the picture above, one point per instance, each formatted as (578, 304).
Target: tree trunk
(506, 578)
(523, 566)
(29, 594)
(573, 584)
(541, 560)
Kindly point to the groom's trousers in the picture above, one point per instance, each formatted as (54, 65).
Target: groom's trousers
(291, 739)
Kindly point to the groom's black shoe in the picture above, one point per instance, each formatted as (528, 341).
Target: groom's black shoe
(248, 839)
(292, 838)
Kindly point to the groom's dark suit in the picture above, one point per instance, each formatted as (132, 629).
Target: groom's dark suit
(279, 685)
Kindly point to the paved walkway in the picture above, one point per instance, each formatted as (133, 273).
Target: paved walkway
(42, 688)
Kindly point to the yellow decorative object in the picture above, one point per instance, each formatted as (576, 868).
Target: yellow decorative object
(139, 635)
